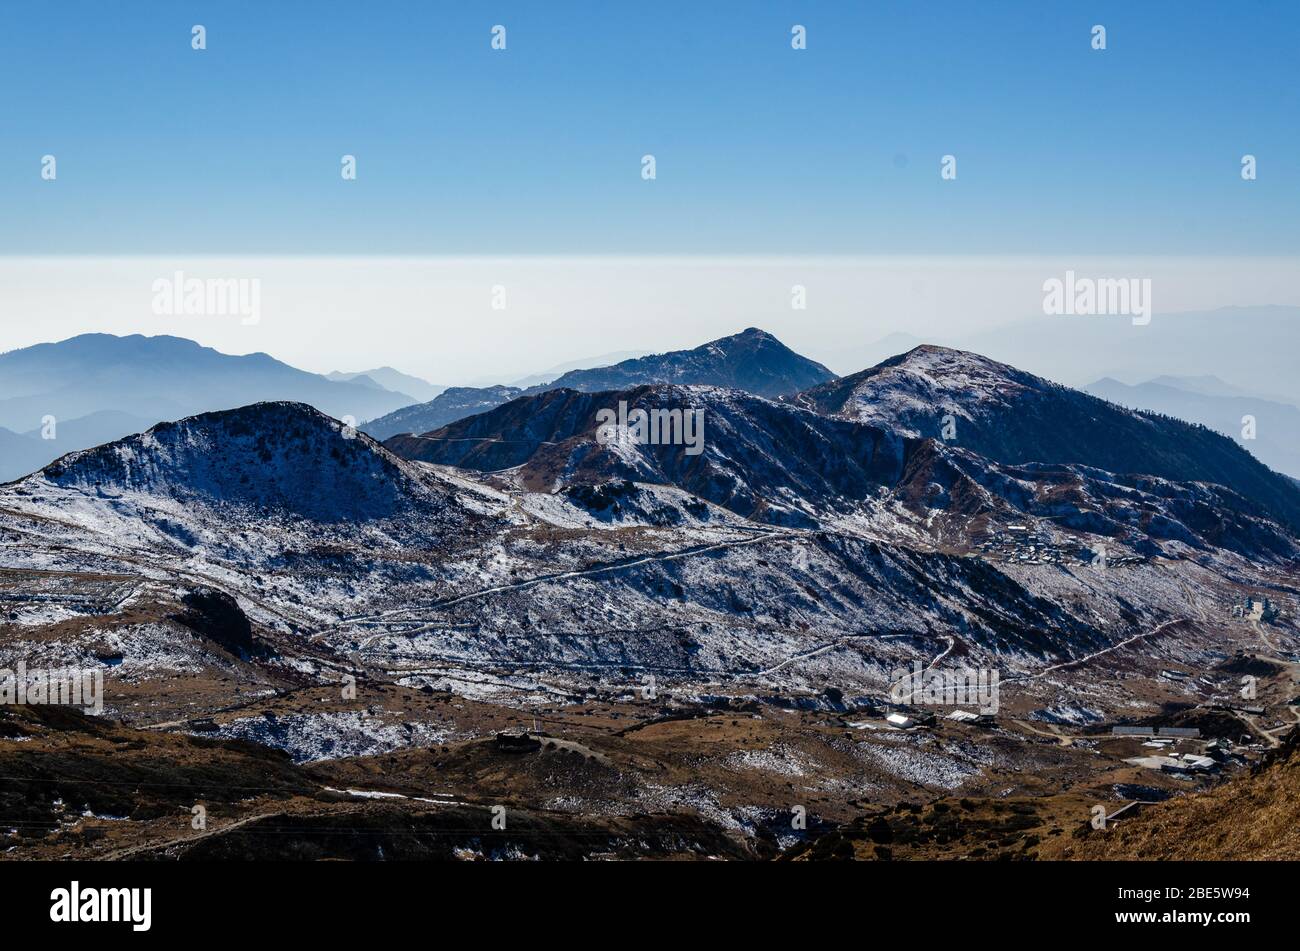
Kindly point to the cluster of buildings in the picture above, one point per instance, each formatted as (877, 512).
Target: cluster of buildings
(1018, 543)
(1021, 544)
(1176, 763)
(1252, 609)
(1162, 740)
(909, 718)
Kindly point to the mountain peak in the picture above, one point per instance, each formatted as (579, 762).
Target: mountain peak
(752, 360)
(104, 343)
(912, 391)
(750, 336)
(1013, 417)
(929, 352)
(931, 348)
(276, 456)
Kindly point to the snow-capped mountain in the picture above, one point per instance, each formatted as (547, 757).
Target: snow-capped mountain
(325, 533)
(330, 540)
(269, 457)
(780, 464)
(752, 360)
(1014, 417)
(758, 458)
(249, 487)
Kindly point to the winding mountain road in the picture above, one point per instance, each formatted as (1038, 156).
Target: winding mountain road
(1101, 653)
(541, 579)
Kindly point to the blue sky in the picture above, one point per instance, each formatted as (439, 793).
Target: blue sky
(760, 149)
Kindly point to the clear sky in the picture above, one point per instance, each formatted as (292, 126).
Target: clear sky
(760, 148)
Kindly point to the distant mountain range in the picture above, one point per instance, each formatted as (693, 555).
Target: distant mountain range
(21, 453)
(456, 402)
(98, 387)
(753, 361)
(1250, 346)
(386, 378)
(1223, 408)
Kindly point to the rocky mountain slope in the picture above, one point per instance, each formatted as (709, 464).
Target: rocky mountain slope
(251, 487)
(1253, 817)
(270, 457)
(779, 464)
(1015, 417)
(760, 459)
(337, 545)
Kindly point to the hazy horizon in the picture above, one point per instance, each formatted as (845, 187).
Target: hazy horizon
(461, 320)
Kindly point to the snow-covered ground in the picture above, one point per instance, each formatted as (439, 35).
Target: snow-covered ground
(440, 578)
(319, 736)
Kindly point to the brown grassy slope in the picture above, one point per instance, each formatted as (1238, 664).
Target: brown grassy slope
(1256, 816)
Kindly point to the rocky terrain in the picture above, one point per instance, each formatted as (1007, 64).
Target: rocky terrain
(633, 650)
(1011, 416)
